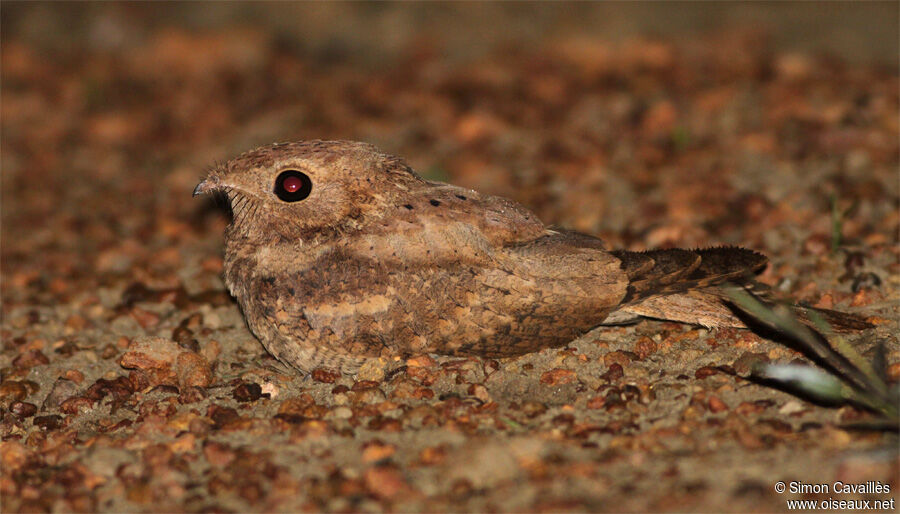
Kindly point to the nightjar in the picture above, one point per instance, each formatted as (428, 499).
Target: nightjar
(338, 253)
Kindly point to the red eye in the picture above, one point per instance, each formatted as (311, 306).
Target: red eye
(292, 186)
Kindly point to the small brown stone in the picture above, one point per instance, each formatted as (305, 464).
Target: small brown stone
(74, 375)
(218, 455)
(185, 338)
(893, 372)
(377, 451)
(363, 385)
(13, 455)
(384, 424)
(558, 376)
(425, 376)
(76, 404)
(563, 420)
(76, 323)
(146, 319)
(12, 390)
(296, 406)
(210, 351)
(23, 409)
(61, 390)
(191, 395)
(421, 361)
(165, 363)
(745, 408)
(433, 455)
(109, 351)
(423, 393)
(746, 362)
(645, 347)
(480, 392)
(705, 371)
(716, 404)
(532, 409)
(138, 380)
(221, 416)
(200, 426)
(367, 396)
(596, 402)
(616, 357)
(385, 482)
(192, 370)
(51, 422)
(247, 392)
(324, 376)
(30, 359)
(614, 373)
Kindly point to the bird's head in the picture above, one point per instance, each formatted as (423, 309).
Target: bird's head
(307, 189)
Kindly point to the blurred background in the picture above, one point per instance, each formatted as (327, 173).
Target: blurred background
(380, 31)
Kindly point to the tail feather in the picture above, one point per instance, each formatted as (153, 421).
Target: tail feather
(635, 264)
(725, 263)
(665, 268)
(677, 270)
(680, 285)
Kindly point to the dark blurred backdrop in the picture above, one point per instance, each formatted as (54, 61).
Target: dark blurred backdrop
(857, 31)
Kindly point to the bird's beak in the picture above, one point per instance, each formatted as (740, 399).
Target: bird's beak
(206, 186)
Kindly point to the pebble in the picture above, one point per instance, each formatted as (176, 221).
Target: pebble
(373, 369)
(12, 390)
(558, 376)
(61, 390)
(166, 363)
(341, 412)
(23, 409)
(247, 392)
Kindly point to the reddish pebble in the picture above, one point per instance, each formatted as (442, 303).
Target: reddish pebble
(384, 482)
(51, 422)
(644, 347)
(558, 376)
(705, 371)
(30, 359)
(74, 375)
(247, 392)
(23, 409)
(596, 402)
(716, 404)
(423, 393)
(616, 357)
(12, 389)
(324, 376)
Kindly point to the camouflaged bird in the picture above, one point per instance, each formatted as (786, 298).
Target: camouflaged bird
(338, 253)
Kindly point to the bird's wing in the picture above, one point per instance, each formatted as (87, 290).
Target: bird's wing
(565, 272)
(499, 220)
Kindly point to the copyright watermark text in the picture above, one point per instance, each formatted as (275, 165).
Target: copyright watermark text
(834, 489)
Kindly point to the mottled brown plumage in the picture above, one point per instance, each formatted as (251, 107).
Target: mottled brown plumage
(378, 262)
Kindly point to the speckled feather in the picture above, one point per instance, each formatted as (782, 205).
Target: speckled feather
(379, 262)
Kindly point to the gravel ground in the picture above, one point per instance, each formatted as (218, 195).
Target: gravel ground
(130, 381)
